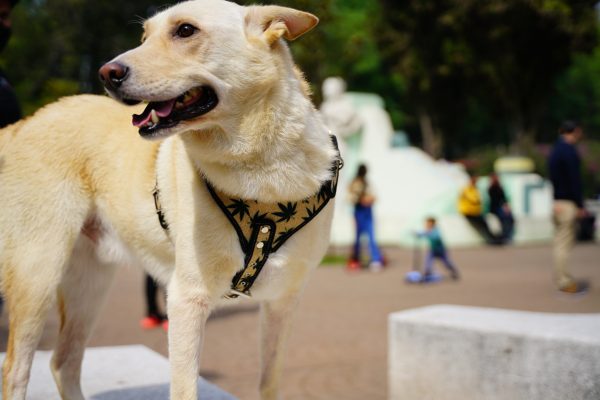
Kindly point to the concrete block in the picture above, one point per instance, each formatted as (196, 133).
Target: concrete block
(467, 353)
(115, 373)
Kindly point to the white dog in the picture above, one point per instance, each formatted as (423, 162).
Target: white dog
(241, 183)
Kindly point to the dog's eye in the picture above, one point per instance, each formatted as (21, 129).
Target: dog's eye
(185, 30)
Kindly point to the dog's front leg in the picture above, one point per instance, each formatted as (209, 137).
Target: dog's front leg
(275, 318)
(188, 309)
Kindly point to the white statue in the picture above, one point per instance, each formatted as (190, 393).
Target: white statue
(410, 185)
(337, 109)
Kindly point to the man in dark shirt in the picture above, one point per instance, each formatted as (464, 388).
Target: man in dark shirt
(9, 106)
(564, 167)
(500, 207)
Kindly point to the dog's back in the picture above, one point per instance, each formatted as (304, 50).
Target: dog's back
(58, 174)
(59, 166)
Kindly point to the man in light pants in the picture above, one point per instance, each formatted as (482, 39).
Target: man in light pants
(564, 165)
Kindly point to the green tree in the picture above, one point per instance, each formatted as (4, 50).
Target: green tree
(59, 45)
(502, 54)
(458, 73)
(521, 50)
(577, 96)
(423, 41)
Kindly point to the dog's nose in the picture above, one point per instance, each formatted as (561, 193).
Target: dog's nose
(113, 74)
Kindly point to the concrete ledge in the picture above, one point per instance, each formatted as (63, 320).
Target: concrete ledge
(115, 373)
(453, 352)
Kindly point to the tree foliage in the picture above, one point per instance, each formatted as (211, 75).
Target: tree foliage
(58, 45)
(494, 58)
(577, 96)
(455, 74)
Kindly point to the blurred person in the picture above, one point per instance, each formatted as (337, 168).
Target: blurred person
(154, 317)
(470, 206)
(10, 111)
(362, 197)
(500, 207)
(436, 250)
(564, 168)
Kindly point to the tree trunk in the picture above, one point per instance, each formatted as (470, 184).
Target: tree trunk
(432, 140)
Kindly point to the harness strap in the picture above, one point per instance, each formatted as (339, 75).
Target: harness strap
(159, 213)
(262, 228)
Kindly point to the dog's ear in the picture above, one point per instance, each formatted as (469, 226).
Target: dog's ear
(273, 22)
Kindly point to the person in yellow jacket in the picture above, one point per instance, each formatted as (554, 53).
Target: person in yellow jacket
(470, 205)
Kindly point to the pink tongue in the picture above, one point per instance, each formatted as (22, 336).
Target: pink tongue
(162, 108)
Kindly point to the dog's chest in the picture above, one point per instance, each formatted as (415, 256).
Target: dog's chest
(263, 228)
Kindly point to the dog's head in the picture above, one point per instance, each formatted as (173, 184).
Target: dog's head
(201, 59)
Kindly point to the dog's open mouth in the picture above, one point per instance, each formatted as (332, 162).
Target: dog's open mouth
(166, 114)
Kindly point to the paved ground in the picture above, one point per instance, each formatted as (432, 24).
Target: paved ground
(338, 348)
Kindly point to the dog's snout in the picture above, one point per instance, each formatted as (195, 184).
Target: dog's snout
(113, 74)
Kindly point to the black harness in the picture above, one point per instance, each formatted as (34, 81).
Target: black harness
(262, 228)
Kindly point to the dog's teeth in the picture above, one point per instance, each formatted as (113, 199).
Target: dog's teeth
(155, 118)
(195, 92)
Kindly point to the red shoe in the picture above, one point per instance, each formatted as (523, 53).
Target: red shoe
(165, 325)
(150, 322)
(353, 265)
(579, 287)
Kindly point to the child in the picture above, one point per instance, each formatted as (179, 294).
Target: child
(437, 250)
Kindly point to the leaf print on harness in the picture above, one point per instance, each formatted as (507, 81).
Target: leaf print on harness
(240, 208)
(257, 218)
(310, 213)
(287, 211)
(260, 235)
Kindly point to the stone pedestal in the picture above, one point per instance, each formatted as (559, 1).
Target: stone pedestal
(467, 353)
(116, 373)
